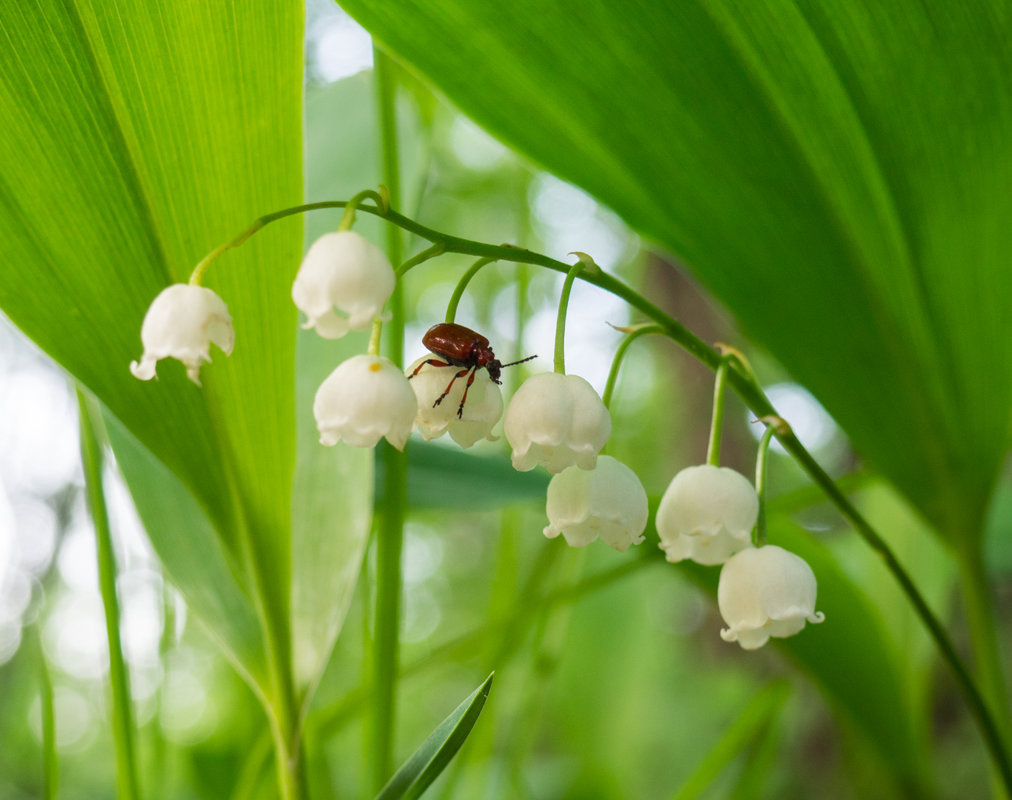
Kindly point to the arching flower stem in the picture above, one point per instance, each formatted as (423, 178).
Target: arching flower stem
(425, 255)
(634, 333)
(751, 393)
(560, 323)
(458, 291)
(348, 218)
(761, 461)
(717, 421)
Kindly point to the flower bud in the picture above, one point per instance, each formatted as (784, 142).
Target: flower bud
(707, 514)
(366, 398)
(480, 413)
(345, 271)
(763, 592)
(607, 502)
(556, 421)
(181, 323)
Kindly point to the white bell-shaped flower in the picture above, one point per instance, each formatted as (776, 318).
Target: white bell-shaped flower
(181, 323)
(557, 421)
(346, 272)
(763, 592)
(366, 398)
(707, 514)
(607, 502)
(481, 411)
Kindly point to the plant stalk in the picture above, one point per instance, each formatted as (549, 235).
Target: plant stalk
(50, 762)
(127, 781)
(717, 422)
(390, 533)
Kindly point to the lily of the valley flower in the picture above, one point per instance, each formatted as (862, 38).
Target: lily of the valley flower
(707, 514)
(557, 421)
(181, 323)
(345, 271)
(480, 413)
(763, 592)
(366, 398)
(607, 502)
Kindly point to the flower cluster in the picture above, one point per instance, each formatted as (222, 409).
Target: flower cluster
(707, 515)
(554, 420)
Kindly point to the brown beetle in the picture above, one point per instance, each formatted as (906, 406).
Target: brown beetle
(461, 347)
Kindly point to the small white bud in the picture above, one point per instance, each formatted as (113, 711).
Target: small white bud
(181, 323)
(707, 514)
(366, 398)
(346, 272)
(607, 502)
(556, 421)
(763, 592)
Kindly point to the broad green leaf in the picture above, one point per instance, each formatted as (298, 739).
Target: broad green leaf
(836, 173)
(192, 556)
(432, 757)
(136, 138)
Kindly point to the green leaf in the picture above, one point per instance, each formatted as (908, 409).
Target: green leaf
(436, 752)
(136, 138)
(836, 173)
(192, 555)
(446, 477)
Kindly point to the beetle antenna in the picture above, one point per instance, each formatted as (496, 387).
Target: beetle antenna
(521, 361)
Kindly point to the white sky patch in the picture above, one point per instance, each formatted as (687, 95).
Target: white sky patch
(336, 46)
(35, 527)
(77, 560)
(811, 423)
(6, 533)
(74, 636)
(39, 449)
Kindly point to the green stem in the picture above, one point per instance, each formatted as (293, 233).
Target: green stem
(717, 423)
(50, 762)
(127, 783)
(458, 291)
(757, 401)
(761, 461)
(616, 362)
(982, 626)
(390, 534)
(375, 336)
(560, 324)
(348, 218)
(423, 256)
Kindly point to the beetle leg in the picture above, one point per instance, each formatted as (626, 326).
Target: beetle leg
(460, 408)
(432, 361)
(449, 386)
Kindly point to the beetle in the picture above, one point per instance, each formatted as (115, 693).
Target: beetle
(461, 347)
